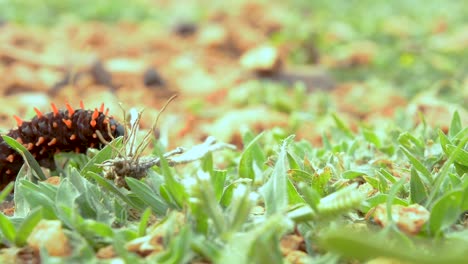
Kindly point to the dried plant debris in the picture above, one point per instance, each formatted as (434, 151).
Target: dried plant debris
(49, 234)
(410, 219)
(137, 167)
(131, 162)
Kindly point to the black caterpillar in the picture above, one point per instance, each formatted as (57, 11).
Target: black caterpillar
(58, 131)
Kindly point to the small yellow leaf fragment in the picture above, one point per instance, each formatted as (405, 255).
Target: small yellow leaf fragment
(49, 234)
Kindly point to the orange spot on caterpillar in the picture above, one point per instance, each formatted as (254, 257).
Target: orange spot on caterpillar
(11, 158)
(94, 117)
(81, 104)
(94, 135)
(54, 124)
(40, 140)
(52, 142)
(29, 146)
(19, 140)
(8, 171)
(68, 123)
(95, 114)
(19, 121)
(71, 111)
(73, 137)
(77, 150)
(112, 127)
(39, 113)
(54, 109)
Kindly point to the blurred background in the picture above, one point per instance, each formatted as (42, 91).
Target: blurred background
(256, 64)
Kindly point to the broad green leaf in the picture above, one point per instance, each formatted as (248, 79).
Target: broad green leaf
(364, 245)
(36, 198)
(298, 176)
(28, 224)
(310, 195)
(350, 174)
(143, 225)
(372, 137)
(97, 228)
(241, 247)
(444, 172)
(113, 189)
(460, 155)
(293, 196)
(417, 187)
(322, 179)
(251, 154)
(302, 214)
(446, 210)
(226, 198)
(6, 191)
(275, 189)
(7, 228)
(147, 195)
(383, 185)
(387, 175)
(206, 248)
(455, 125)
(410, 142)
(380, 199)
(293, 161)
(426, 175)
(66, 193)
(342, 126)
(373, 181)
(444, 141)
(178, 250)
(218, 179)
(207, 163)
(173, 186)
(239, 210)
(204, 193)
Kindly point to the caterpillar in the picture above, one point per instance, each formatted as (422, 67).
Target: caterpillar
(57, 131)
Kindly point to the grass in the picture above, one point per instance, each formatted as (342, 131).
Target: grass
(278, 186)
(208, 213)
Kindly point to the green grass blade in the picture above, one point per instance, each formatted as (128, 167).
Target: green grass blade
(103, 155)
(145, 217)
(418, 188)
(27, 226)
(427, 177)
(144, 192)
(446, 210)
(275, 190)
(113, 189)
(6, 191)
(250, 156)
(7, 228)
(30, 160)
(455, 125)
